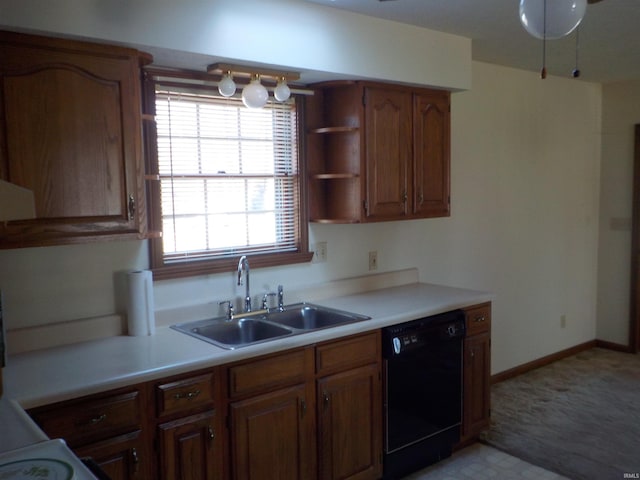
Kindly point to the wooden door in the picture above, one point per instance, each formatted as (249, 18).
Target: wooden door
(431, 155)
(70, 131)
(634, 321)
(188, 448)
(350, 424)
(273, 437)
(388, 153)
(476, 386)
(120, 458)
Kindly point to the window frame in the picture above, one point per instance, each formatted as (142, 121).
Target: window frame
(162, 270)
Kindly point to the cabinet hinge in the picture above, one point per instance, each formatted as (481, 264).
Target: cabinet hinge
(364, 98)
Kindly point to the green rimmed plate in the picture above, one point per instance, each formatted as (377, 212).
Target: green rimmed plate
(36, 469)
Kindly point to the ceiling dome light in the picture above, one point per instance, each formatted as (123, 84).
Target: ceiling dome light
(255, 95)
(226, 85)
(282, 92)
(562, 17)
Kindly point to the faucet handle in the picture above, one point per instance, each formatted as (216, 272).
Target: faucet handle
(280, 298)
(265, 300)
(229, 305)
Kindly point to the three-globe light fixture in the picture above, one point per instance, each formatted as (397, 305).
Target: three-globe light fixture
(254, 94)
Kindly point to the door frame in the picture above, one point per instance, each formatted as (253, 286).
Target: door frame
(634, 323)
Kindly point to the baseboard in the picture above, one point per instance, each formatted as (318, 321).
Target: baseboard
(541, 362)
(614, 346)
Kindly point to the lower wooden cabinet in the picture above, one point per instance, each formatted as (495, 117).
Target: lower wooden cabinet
(187, 448)
(349, 425)
(272, 436)
(305, 413)
(308, 413)
(121, 458)
(108, 427)
(476, 373)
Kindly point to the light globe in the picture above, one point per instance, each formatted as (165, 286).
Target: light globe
(282, 92)
(255, 95)
(226, 85)
(562, 17)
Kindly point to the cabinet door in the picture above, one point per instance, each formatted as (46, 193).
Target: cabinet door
(431, 156)
(71, 133)
(477, 394)
(272, 436)
(350, 424)
(120, 458)
(388, 153)
(188, 449)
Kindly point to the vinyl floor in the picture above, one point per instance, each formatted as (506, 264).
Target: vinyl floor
(482, 462)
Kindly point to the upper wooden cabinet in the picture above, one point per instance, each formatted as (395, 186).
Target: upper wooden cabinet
(387, 153)
(70, 131)
(377, 152)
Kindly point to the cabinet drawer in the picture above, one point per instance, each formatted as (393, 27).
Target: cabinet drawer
(348, 353)
(185, 394)
(478, 319)
(267, 373)
(90, 419)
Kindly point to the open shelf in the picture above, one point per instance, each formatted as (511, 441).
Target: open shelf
(335, 220)
(334, 130)
(334, 176)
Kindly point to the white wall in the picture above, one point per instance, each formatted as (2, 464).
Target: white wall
(525, 173)
(524, 224)
(525, 166)
(289, 33)
(620, 112)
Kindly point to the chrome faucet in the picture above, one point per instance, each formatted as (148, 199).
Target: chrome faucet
(280, 298)
(243, 265)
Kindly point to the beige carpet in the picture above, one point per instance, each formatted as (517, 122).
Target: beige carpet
(579, 417)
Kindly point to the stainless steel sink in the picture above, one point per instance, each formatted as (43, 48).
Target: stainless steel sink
(263, 325)
(233, 333)
(305, 316)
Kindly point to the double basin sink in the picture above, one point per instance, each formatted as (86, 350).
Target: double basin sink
(262, 326)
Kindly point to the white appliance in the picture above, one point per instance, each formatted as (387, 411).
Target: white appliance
(51, 459)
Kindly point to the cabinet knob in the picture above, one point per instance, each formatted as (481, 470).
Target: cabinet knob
(325, 399)
(187, 395)
(303, 407)
(212, 434)
(404, 196)
(99, 419)
(479, 319)
(135, 460)
(132, 207)
(421, 197)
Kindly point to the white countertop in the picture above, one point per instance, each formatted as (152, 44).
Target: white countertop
(18, 430)
(46, 376)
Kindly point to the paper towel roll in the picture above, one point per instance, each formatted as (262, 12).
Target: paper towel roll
(140, 309)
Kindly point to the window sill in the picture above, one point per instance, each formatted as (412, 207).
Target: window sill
(207, 267)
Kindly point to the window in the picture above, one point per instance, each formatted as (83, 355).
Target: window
(229, 182)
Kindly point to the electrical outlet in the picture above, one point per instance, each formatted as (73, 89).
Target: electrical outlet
(373, 260)
(319, 252)
(563, 321)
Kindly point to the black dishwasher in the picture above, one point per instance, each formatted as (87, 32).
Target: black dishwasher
(423, 391)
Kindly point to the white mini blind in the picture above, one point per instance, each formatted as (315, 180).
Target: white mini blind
(228, 175)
